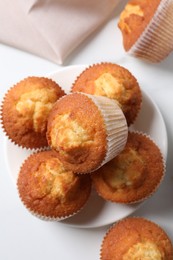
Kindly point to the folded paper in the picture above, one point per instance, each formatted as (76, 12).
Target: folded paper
(51, 29)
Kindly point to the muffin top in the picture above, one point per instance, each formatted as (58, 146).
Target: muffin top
(134, 19)
(25, 110)
(48, 189)
(76, 131)
(132, 175)
(112, 81)
(136, 238)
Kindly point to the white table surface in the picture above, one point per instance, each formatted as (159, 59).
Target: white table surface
(23, 236)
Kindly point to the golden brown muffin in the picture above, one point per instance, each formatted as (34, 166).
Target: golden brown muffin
(112, 81)
(86, 131)
(48, 190)
(134, 19)
(134, 174)
(147, 29)
(25, 110)
(136, 239)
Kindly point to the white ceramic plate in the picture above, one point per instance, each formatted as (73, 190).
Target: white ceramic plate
(97, 212)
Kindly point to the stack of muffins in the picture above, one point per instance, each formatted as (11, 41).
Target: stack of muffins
(81, 139)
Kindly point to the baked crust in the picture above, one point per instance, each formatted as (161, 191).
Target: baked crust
(76, 131)
(25, 110)
(134, 174)
(115, 82)
(47, 189)
(134, 19)
(136, 238)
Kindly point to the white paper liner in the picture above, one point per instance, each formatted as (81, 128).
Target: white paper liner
(115, 123)
(48, 218)
(156, 41)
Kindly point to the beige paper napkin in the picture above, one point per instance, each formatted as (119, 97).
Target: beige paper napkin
(51, 29)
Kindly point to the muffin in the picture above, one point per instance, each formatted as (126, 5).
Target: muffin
(136, 238)
(25, 110)
(48, 190)
(147, 29)
(86, 131)
(134, 174)
(112, 81)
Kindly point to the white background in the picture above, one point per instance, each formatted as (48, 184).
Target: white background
(23, 236)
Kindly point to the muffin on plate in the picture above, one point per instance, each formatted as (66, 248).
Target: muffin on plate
(48, 190)
(136, 238)
(112, 81)
(134, 174)
(25, 110)
(147, 29)
(86, 131)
